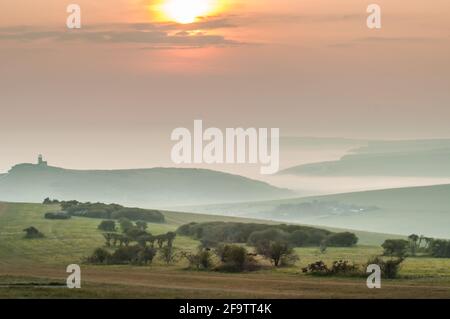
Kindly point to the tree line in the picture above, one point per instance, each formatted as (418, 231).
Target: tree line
(213, 233)
(103, 211)
(131, 243)
(417, 245)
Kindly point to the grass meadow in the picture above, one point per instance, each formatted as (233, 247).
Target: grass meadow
(36, 268)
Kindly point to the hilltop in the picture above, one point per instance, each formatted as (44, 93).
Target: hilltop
(153, 187)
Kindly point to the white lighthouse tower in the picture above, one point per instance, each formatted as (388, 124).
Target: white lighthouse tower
(41, 162)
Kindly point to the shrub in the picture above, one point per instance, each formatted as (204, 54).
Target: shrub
(278, 252)
(338, 268)
(33, 232)
(344, 267)
(235, 258)
(202, 259)
(389, 268)
(317, 268)
(395, 247)
(99, 256)
(58, 215)
(236, 255)
(107, 225)
(126, 255)
(146, 255)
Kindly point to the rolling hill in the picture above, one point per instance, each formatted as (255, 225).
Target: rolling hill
(427, 158)
(422, 210)
(76, 238)
(36, 268)
(154, 187)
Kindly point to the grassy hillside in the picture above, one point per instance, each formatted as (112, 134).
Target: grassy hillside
(155, 187)
(78, 236)
(36, 268)
(422, 210)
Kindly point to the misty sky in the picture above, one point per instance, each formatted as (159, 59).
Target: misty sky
(108, 95)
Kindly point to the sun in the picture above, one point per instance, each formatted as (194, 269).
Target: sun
(187, 11)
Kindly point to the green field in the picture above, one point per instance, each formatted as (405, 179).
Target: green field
(36, 268)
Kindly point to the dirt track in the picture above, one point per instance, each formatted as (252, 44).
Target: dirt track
(186, 284)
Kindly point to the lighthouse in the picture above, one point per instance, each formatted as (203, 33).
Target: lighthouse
(41, 162)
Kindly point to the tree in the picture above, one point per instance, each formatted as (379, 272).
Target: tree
(118, 238)
(421, 239)
(108, 237)
(33, 232)
(270, 234)
(428, 242)
(299, 238)
(141, 225)
(107, 225)
(440, 248)
(413, 239)
(146, 255)
(323, 246)
(125, 224)
(134, 233)
(345, 239)
(275, 251)
(160, 239)
(48, 201)
(170, 237)
(100, 256)
(395, 247)
(167, 254)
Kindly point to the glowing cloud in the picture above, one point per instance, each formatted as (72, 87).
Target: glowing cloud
(187, 11)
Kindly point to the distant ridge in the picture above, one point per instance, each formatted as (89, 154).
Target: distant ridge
(420, 209)
(153, 187)
(416, 158)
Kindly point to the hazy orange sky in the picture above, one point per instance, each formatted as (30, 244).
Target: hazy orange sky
(109, 95)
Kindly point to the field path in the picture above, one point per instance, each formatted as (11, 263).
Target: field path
(159, 281)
